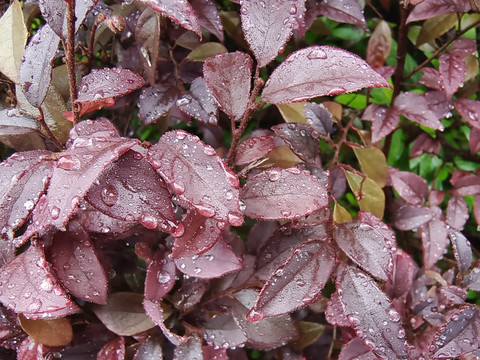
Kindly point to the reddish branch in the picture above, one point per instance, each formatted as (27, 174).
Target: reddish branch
(70, 58)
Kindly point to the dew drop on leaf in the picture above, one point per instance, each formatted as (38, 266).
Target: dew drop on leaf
(317, 54)
(109, 195)
(69, 162)
(55, 212)
(254, 315)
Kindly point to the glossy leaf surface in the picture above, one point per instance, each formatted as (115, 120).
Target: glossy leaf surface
(199, 103)
(160, 276)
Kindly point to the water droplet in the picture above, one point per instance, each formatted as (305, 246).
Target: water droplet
(183, 101)
(55, 212)
(274, 175)
(163, 277)
(254, 315)
(149, 221)
(209, 150)
(178, 188)
(235, 220)
(181, 135)
(293, 9)
(300, 282)
(205, 210)
(109, 195)
(28, 204)
(317, 53)
(69, 162)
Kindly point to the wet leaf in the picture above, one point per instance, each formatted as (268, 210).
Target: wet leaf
(321, 74)
(150, 350)
(452, 72)
(431, 8)
(384, 120)
(49, 332)
(301, 139)
(30, 350)
(179, 11)
(230, 92)
(160, 276)
(368, 193)
(209, 17)
(267, 25)
(189, 350)
(346, 11)
(124, 314)
(404, 272)
(223, 331)
(379, 44)
(156, 101)
(113, 350)
(206, 50)
(318, 116)
(371, 314)
(120, 192)
(356, 349)
(13, 37)
(13, 122)
(373, 163)
(158, 312)
(458, 336)
(472, 280)
(294, 112)
(147, 36)
(461, 249)
(30, 287)
(457, 212)
(213, 263)
(283, 194)
(35, 75)
(411, 187)
(435, 241)
(198, 102)
(335, 312)
(470, 111)
(297, 282)
(415, 107)
(409, 217)
(368, 246)
(76, 265)
(253, 149)
(209, 186)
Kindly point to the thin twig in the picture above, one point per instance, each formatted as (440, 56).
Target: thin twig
(70, 58)
(48, 133)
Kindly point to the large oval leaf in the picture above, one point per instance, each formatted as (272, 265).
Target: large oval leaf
(160, 276)
(197, 176)
(50, 332)
(283, 194)
(319, 71)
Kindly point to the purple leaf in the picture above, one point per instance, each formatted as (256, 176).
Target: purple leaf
(438, 103)
(404, 273)
(97, 222)
(100, 128)
(267, 25)
(430, 8)
(434, 240)
(189, 294)
(474, 140)
(69, 182)
(266, 333)
(335, 312)
(189, 349)
(368, 246)
(356, 349)
(457, 212)
(147, 34)
(122, 193)
(384, 120)
(409, 217)
(209, 186)
(223, 331)
(230, 92)
(30, 350)
(371, 314)
(424, 144)
(431, 78)
(217, 261)
(23, 178)
(470, 111)
(253, 149)
(472, 280)
(198, 103)
(154, 310)
(302, 139)
(319, 118)
(113, 350)
(415, 107)
(209, 17)
(463, 47)
(36, 67)
(76, 264)
(179, 11)
(29, 287)
(160, 276)
(458, 336)
(14, 122)
(411, 187)
(461, 249)
(283, 194)
(452, 72)
(156, 101)
(316, 71)
(150, 349)
(346, 11)
(200, 235)
(297, 282)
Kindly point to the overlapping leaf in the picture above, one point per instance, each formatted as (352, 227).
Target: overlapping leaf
(470, 111)
(409, 186)
(319, 118)
(160, 276)
(209, 17)
(253, 149)
(384, 120)
(319, 71)
(457, 212)
(415, 107)
(113, 350)
(462, 249)
(198, 102)
(156, 101)
(434, 240)
(409, 217)
(209, 186)
(346, 11)
(301, 139)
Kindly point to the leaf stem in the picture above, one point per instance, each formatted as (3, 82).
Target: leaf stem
(70, 59)
(48, 133)
(402, 41)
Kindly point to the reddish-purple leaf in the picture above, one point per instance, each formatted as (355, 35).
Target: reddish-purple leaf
(190, 349)
(472, 280)
(368, 246)
(208, 186)
(100, 86)
(430, 8)
(212, 352)
(371, 314)
(297, 282)
(302, 139)
(474, 140)
(457, 212)
(319, 118)
(156, 101)
(28, 286)
(461, 249)
(253, 149)
(14, 122)
(189, 294)
(452, 72)
(11, 333)
(470, 111)
(76, 265)
(77, 169)
(154, 310)
(200, 235)
(262, 333)
(160, 276)
(198, 103)
(147, 34)
(346, 11)
(113, 350)
(130, 189)
(209, 17)
(179, 11)
(415, 107)
(458, 336)
(267, 25)
(97, 222)
(217, 261)
(411, 187)
(228, 78)
(30, 350)
(431, 78)
(150, 349)
(424, 143)
(467, 184)
(409, 217)
(99, 128)
(283, 194)
(384, 120)
(434, 240)
(463, 47)
(36, 67)
(404, 273)
(356, 349)
(223, 331)
(319, 71)
(439, 103)
(23, 178)
(335, 312)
